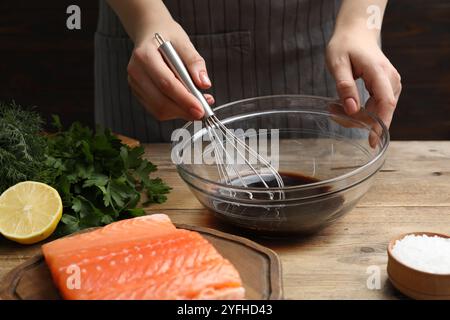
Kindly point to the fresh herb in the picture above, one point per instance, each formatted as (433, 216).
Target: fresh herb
(22, 148)
(99, 179)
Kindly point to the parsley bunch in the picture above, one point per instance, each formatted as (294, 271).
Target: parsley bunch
(100, 180)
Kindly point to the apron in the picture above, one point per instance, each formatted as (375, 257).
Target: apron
(251, 48)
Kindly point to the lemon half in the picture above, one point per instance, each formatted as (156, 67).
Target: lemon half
(29, 212)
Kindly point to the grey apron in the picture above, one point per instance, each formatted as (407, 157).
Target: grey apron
(251, 47)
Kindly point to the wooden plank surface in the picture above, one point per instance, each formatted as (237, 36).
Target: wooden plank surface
(411, 193)
(415, 174)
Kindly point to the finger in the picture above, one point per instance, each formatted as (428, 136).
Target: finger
(194, 63)
(136, 94)
(209, 98)
(360, 120)
(339, 115)
(159, 105)
(151, 61)
(345, 84)
(374, 139)
(371, 106)
(153, 108)
(396, 83)
(383, 101)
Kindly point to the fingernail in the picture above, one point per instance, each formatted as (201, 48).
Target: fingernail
(350, 105)
(204, 78)
(196, 113)
(210, 100)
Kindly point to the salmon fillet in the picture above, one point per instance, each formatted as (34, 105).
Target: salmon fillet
(141, 258)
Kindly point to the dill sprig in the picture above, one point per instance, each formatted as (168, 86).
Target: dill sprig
(22, 146)
(100, 179)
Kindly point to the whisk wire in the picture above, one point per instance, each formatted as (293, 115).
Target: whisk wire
(213, 123)
(259, 158)
(227, 155)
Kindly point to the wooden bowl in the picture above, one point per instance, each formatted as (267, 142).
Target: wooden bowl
(417, 284)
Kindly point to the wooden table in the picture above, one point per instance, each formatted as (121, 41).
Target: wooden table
(411, 193)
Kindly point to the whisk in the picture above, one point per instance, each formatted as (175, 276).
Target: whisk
(220, 135)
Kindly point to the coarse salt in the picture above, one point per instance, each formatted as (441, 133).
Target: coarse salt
(424, 253)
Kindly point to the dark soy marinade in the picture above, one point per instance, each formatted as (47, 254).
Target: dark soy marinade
(290, 179)
(318, 207)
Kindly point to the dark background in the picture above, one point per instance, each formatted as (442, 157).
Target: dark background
(45, 64)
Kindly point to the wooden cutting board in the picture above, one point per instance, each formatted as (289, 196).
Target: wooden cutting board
(132, 143)
(259, 267)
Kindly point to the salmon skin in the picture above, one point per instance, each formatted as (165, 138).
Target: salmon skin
(141, 258)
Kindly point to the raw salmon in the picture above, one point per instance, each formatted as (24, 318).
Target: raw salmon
(141, 258)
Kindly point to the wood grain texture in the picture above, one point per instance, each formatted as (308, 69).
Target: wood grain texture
(52, 67)
(416, 39)
(415, 174)
(411, 193)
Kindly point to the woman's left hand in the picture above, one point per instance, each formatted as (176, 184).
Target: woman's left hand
(353, 54)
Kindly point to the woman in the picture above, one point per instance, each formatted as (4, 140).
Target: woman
(244, 48)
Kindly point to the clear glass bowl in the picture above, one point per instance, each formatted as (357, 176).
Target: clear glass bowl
(339, 154)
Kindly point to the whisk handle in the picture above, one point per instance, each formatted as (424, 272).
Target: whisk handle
(179, 69)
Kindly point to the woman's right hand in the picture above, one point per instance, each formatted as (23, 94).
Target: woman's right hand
(151, 80)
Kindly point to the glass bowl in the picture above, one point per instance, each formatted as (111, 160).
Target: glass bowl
(335, 156)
